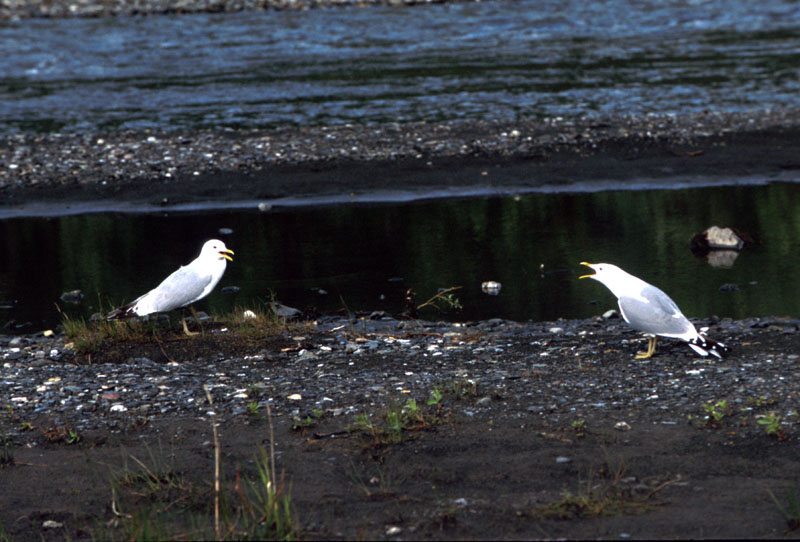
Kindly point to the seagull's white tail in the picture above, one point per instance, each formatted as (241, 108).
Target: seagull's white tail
(705, 346)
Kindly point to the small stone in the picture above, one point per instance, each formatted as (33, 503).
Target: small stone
(264, 207)
(50, 524)
(393, 530)
(285, 312)
(491, 287)
(74, 297)
(622, 426)
(295, 397)
(562, 459)
(730, 287)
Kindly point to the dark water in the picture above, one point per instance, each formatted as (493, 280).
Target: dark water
(500, 60)
(365, 258)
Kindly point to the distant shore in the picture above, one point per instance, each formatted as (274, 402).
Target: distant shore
(347, 160)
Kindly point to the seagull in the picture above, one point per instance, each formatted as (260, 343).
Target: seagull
(183, 287)
(648, 309)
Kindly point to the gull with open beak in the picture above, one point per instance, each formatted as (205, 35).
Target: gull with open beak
(183, 287)
(651, 311)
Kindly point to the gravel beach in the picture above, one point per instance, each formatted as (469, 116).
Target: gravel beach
(336, 162)
(530, 413)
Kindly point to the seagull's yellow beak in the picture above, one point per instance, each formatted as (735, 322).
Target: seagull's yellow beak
(224, 253)
(586, 276)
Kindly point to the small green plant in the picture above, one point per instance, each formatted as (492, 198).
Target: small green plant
(435, 398)
(72, 437)
(310, 420)
(445, 297)
(790, 512)
(772, 425)
(253, 410)
(716, 412)
(462, 388)
(579, 427)
(398, 421)
(6, 451)
(761, 401)
(61, 433)
(604, 493)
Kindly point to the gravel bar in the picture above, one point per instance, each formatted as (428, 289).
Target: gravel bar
(226, 165)
(340, 366)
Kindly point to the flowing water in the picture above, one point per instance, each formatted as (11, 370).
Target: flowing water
(500, 60)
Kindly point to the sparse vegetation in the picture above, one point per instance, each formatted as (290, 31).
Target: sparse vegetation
(771, 423)
(606, 493)
(310, 420)
(397, 422)
(715, 412)
(60, 433)
(443, 299)
(791, 511)
(88, 336)
(156, 501)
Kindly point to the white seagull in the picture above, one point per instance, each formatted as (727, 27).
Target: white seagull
(183, 287)
(648, 309)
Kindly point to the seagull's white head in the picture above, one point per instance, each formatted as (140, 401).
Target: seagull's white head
(216, 249)
(614, 278)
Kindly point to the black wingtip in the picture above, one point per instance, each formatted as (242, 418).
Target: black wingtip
(704, 346)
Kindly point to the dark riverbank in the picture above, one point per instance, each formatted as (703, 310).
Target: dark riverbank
(215, 167)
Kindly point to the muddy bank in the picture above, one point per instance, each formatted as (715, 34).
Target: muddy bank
(346, 161)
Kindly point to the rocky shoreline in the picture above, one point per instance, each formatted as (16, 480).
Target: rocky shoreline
(338, 365)
(530, 154)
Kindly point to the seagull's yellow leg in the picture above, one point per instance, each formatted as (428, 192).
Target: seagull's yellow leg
(186, 328)
(651, 349)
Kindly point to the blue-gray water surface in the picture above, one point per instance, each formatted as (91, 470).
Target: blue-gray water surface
(488, 60)
(364, 258)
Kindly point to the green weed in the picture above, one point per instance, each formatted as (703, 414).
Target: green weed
(398, 422)
(790, 512)
(771, 423)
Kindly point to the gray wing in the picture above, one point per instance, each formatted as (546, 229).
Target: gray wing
(181, 288)
(659, 315)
